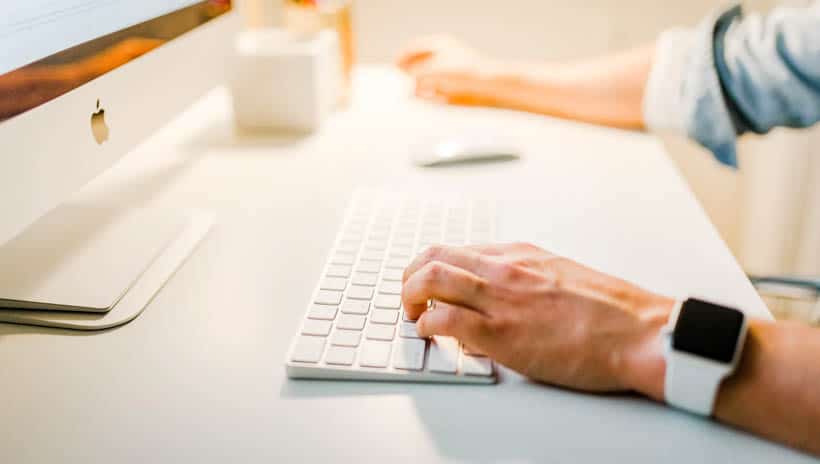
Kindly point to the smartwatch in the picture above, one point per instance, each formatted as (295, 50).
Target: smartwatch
(703, 344)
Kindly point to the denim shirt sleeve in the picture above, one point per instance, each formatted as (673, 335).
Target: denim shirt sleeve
(734, 74)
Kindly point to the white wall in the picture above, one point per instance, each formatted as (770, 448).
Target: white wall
(541, 29)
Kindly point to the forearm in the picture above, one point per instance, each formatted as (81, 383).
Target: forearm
(607, 90)
(776, 390)
(775, 393)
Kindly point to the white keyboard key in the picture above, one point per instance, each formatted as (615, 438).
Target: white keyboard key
(384, 316)
(371, 267)
(328, 297)
(403, 238)
(375, 353)
(380, 332)
(355, 307)
(390, 287)
(402, 244)
(408, 330)
(323, 312)
(381, 231)
(338, 270)
(343, 258)
(368, 280)
(480, 239)
(376, 245)
(358, 292)
(340, 355)
(429, 239)
(345, 338)
(352, 237)
(474, 365)
(371, 255)
(333, 283)
(443, 355)
(397, 263)
(316, 327)
(350, 322)
(393, 274)
(401, 251)
(348, 247)
(308, 349)
(387, 301)
(409, 354)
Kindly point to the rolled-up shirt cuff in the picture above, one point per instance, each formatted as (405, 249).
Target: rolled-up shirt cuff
(683, 93)
(662, 96)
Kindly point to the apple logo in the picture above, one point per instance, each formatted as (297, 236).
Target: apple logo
(98, 126)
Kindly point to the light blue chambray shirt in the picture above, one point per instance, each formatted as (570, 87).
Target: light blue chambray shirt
(734, 74)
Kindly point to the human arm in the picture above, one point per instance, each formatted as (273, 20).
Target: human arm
(527, 308)
(607, 90)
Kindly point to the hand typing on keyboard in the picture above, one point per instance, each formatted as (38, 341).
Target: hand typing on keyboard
(542, 315)
(355, 327)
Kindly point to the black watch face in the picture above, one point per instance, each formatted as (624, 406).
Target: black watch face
(708, 330)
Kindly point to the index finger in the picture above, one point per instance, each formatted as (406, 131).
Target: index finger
(462, 257)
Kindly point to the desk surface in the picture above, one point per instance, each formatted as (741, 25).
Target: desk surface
(199, 376)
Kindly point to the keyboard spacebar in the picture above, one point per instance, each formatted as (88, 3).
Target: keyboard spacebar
(443, 355)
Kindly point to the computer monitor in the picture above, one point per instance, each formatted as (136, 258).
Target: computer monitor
(83, 81)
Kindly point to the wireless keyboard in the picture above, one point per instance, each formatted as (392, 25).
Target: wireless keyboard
(355, 327)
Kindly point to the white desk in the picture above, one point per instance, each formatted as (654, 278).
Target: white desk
(198, 377)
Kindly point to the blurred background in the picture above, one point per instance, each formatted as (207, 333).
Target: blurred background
(768, 211)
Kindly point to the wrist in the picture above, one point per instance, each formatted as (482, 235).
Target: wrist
(644, 366)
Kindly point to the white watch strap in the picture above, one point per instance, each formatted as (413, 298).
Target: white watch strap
(692, 383)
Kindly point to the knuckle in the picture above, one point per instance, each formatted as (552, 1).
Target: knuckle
(509, 271)
(433, 272)
(552, 272)
(479, 285)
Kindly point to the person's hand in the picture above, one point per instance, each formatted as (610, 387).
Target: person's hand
(542, 315)
(449, 71)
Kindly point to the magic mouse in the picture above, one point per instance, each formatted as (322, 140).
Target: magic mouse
(466, 148)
